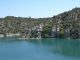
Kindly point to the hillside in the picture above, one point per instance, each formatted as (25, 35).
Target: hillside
(11, 24)
(64, 25)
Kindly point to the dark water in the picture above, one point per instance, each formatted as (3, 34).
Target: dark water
(45, 49)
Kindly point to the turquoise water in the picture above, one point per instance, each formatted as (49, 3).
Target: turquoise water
(43, 49)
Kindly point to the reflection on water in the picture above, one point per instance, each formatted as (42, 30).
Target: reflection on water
(41, 49)
(67, 48)
(61, 46)
(9, 39)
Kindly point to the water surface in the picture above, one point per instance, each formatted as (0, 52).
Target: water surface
(12, 48)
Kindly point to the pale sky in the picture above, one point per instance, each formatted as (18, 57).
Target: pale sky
(36, 8)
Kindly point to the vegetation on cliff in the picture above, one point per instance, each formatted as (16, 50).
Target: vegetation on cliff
(64, 25)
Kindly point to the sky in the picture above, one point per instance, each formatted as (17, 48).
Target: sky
(36, 8)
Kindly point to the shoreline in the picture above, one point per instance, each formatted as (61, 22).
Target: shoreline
(29, 38)
(1, 35)
(18, 34)
(9, 35)
(54, 38)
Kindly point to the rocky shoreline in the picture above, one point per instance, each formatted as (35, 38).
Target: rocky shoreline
(30, 38)
(1, 35)
(9, 35)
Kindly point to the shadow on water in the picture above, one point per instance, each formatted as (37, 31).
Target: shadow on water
(65, 47)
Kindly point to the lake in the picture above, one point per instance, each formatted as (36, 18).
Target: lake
(11, 48)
